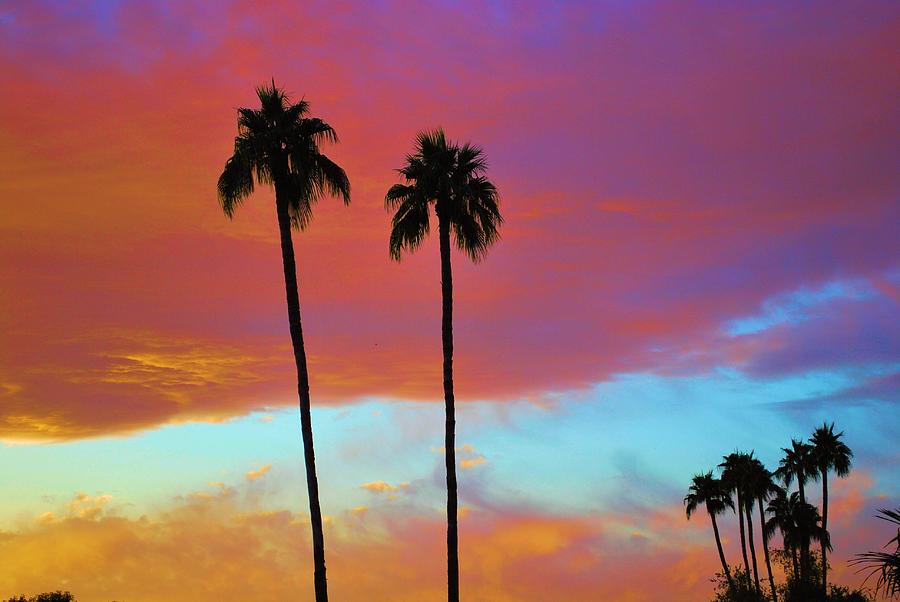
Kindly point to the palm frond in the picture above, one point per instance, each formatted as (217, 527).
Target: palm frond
(236, 182)
(409, 226)
(884, 566)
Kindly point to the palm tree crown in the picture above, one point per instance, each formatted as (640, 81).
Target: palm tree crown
(278, 145)
(451, 178)
(760, 481)
(708, 491)
(798, 463)
(829, 452)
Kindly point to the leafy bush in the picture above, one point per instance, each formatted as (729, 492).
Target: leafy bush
(58, 596)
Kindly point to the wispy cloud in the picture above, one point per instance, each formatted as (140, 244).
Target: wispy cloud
(252, 475)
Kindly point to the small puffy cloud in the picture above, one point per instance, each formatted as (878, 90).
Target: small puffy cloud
(384, 487)
(86, 506)
(252, 475)
(467, 463)
(266, 418)
(469, 458)
(81, 506)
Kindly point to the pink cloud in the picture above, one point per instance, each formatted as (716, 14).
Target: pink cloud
(654, 188)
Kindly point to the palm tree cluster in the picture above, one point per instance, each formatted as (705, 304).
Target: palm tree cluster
(746, 486)
(279, 145)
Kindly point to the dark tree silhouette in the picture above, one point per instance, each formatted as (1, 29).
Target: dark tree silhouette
(450, 179)
(735, 470)
(278, 145)
(798, 464)
(58, 596)
(782, 520)
(761, 485)
(884, 564)
(829, 453)
(709, 491)
(799, 524)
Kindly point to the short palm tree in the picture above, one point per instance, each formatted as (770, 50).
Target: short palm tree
(709, 491)
(798, 464)
(734, 474)
(799, 523)
(448, 179)
(884, 564)
(278, 145)
(761, 485)
(781, 518)
(829, 453)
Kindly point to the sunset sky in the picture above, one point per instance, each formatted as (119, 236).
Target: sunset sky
(701, 253)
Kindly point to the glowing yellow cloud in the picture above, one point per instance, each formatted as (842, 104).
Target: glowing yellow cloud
(252, 475)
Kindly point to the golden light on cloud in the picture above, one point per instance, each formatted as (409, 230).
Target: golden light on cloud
(252, 475)
(468, 463)
(383, 487)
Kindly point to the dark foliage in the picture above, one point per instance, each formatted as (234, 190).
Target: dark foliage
(58, 596)
(884, 566)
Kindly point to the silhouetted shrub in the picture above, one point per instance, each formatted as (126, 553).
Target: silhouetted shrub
(58, 596)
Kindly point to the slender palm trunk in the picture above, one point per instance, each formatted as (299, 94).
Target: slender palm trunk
(804, 542)
(752, 547)
(743, 539)
(450, 408)
(824, 528)
(765, 540)
(312, 484)
(798, 576)
(721, 551)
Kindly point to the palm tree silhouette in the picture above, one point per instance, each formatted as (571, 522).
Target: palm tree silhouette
(734, 473)
(451, 178)
(800, 524)
(808, 523)
(707, 490)
(798, 463)
(762, 486)
(829, 453)
(278, 145)
(782, 520)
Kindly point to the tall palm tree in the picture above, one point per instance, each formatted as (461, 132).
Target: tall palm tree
(450, 179)
(762, 486)
(734, 472)
(278, 145)
(707, 490)
(798, 464)
(829, 453)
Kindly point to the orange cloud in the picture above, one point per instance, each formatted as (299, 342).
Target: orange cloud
(384, 487)
(225, 545)
(137, 247)
(467, 463)
(252, 475)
